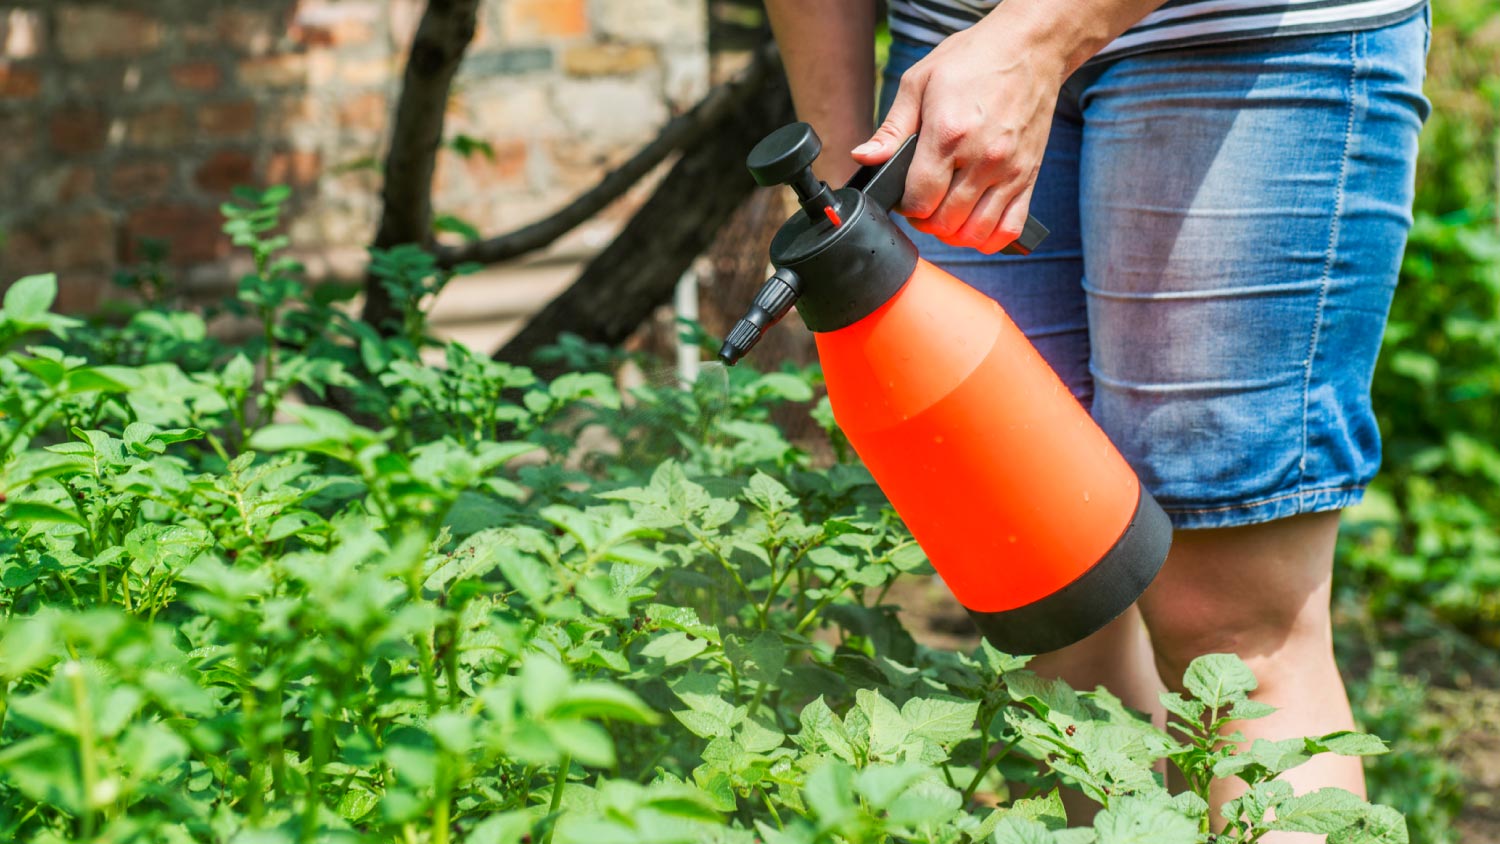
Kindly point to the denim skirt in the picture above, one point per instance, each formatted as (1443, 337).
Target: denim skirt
(1227, 228)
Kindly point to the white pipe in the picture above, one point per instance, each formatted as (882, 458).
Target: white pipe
(685, 302)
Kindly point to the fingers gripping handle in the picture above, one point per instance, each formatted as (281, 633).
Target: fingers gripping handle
(884, 184)
(775, 298)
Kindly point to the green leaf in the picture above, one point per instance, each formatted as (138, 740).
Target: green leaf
(783, 386)
(821, 727)
(942, 721)
(1219, 679)
(1323, 811)
(1015, 829)
(1348, 743)
(674, 647)
(511, 827)
(526, 574)
(107, 379)
(1380, 825)
(760, 659)
(587, 742)
(45, 769)
(604, 700)
(926, 803)
(38, 513)
(703, 724)
(768, 495)
(290, 437)
(1190, 711)
(1144, 821)
(887, 728)
(30, 298)
(829, 792)
(1251, 807)
(1047, 810)
(456, 225)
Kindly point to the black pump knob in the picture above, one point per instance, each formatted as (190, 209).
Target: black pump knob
(785, 157)
(782, 156)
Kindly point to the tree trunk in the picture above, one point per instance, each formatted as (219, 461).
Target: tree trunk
(442, 36)
(621, 286)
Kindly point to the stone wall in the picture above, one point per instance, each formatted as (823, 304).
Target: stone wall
(132, 119)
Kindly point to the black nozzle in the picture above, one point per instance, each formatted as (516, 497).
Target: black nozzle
(775, 298)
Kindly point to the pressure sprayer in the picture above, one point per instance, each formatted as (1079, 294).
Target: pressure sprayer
(1022, 504)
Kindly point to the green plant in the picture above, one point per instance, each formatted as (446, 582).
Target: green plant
(492, 609)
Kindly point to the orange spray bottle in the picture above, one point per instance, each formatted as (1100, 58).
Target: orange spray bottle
(1022, 504)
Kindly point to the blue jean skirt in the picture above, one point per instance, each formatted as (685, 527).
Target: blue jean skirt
(1227, 228)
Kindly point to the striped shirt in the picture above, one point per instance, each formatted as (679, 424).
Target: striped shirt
(1177, 23)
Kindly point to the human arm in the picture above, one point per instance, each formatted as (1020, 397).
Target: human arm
(984, 100)
(828, 50)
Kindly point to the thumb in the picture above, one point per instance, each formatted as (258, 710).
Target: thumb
(901, 122)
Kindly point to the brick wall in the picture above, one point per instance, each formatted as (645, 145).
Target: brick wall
(130, 119)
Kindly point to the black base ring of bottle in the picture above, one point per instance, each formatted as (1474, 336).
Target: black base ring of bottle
(1095, 598)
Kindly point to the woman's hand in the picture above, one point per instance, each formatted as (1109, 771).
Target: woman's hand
(983, 100)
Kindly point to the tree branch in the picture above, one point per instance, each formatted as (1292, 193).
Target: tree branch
(620, 287)
(681, 132)
(442, 36)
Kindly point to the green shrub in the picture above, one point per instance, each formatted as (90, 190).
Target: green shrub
(1429, 532)
(441, 614)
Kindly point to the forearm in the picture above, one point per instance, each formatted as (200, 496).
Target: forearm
(828, 49)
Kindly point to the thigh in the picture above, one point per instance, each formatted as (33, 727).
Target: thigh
(1041, 292)
(1244, 214)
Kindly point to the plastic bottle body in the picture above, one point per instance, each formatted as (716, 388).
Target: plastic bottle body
(1004, 479)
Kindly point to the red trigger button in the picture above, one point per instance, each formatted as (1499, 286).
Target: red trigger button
(833, 215)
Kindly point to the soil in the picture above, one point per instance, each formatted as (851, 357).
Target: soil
(1471, 707)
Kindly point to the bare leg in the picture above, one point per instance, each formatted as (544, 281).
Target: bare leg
(1262, 592)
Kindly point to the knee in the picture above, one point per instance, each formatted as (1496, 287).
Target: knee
(1191, 623)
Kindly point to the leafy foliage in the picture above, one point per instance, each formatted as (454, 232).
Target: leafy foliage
(474, 606)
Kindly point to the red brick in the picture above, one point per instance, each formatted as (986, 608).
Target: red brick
(157, 127)
(61, 184)
(95, 31)
(288, 114)
(200, 75)
(227, 120)
(21, 134)
(78, 131)
(191, 232)
(145, 179)
(225, 169)
(607, 59)
(85, 239)
(365, 72)
(24, 252)
(363, 111)
(508, 165)
(80, 292)
(528, 20)
(248, 29)
(18, 83)
(335, 33)
(283, 70)
(297, 168)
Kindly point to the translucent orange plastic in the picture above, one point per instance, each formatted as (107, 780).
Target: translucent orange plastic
(1004, 479)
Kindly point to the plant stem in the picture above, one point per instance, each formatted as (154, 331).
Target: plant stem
(985, 768)
(74, 672)
(443, 811)
(557, 792)
(250, 710)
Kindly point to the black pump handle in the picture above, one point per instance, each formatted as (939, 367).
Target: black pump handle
(883, 184)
